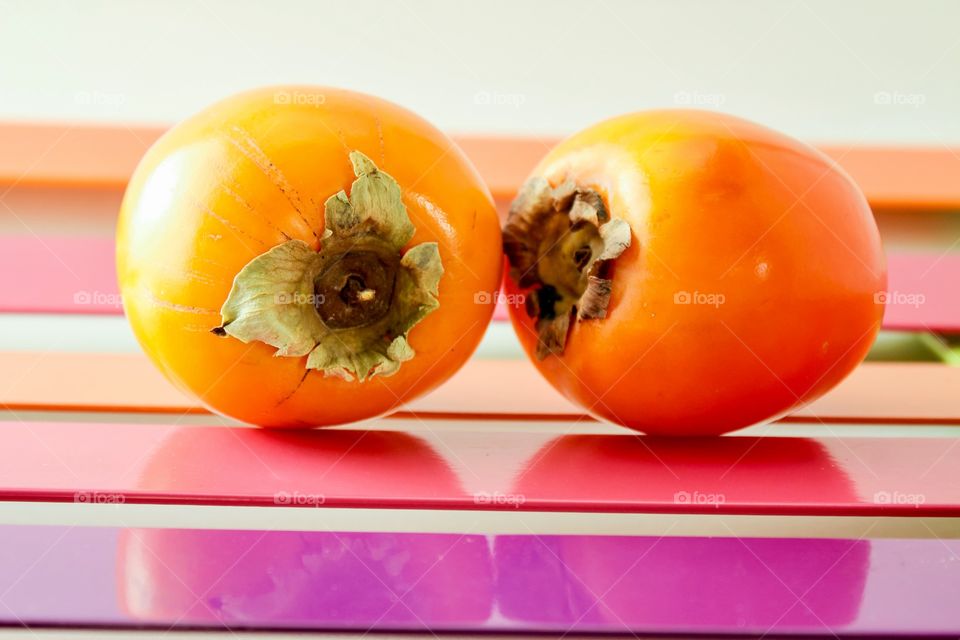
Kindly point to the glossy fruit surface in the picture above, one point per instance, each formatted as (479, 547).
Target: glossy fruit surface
(252, 184)
(750, 281)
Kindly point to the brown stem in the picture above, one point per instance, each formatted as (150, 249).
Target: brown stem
(356, 288)
(561, 244)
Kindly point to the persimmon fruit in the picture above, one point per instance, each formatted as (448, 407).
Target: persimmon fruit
(685, 272)
(304, 256)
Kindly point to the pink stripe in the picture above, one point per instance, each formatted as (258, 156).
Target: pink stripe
(76, 274)
(922, 292)
(461, 469)
(58, 274)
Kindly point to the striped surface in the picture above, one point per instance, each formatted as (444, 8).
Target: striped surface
(76, 274)
(333, 580)
(505, 466)
(842, 518)
(873, 393)
(98, 156)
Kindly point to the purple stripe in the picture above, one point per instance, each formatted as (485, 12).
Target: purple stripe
(386, 581)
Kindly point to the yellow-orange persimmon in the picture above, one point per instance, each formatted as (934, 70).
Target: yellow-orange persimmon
(305, 256)
(692, 273)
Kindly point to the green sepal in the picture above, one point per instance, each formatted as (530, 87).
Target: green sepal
(272, 300)
(273, 297)
(374, 207)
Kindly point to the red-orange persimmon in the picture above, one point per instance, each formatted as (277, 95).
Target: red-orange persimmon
(692, 273)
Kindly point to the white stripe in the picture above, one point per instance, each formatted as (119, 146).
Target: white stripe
(471, 522)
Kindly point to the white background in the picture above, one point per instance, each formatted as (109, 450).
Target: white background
(821, 70)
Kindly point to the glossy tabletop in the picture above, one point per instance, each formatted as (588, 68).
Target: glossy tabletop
(477, 465)
(444, 582)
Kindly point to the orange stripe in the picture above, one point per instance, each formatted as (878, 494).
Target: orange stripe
(485, 389)
(105, 156)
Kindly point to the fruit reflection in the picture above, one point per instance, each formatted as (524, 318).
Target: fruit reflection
(676, 583)
(296, 578)
(305, 579)
(694, 473)
(340, 467)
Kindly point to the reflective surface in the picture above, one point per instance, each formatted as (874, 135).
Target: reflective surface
(477, 465)
(262, 579)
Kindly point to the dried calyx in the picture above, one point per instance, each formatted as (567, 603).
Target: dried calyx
(561, 244)
(350, 305)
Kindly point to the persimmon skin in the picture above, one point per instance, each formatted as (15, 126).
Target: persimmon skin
(254, 171)
(772, 246)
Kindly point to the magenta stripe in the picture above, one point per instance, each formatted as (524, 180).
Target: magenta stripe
(522, 470)
(386, 581)
(76, 274)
